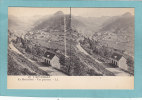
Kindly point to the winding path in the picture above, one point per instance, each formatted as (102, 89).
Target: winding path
(86, 53)
(51, 71)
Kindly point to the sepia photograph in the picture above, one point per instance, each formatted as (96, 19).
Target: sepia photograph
(70, 41)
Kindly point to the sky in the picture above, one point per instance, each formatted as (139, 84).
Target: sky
(84, 12)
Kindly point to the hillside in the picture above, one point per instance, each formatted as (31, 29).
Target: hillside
(119, 23)
(92, 24)
(118, 32)
(98, 37)
(19, 25)
(115, 31)
(56, 23)
(49, 32)
(86, 26)
(19, 65)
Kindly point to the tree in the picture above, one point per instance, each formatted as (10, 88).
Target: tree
(130, 62)
(28, 49)
(62, 60)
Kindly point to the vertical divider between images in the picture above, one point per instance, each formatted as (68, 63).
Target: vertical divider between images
(70, 38)
(0, 48)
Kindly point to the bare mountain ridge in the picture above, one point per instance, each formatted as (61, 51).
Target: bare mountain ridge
(117, 23)
(56, 22)
(120, 28)
(86, 26)
(18, 25)
(118, 32)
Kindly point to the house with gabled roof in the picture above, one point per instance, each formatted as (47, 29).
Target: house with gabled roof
(119, 61)
(51, 59)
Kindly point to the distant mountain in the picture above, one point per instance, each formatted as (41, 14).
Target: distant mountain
(92, 24)
(86, 26)
(50, 30)
(119, 23)
(127, 14)
(56, 22)
(118, 32)
(114, 31)
(18, 25)
(12, 20)
(59, 13)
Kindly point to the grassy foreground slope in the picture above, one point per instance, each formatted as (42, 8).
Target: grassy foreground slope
(18, 65)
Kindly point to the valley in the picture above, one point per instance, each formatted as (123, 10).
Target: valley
(68, 45)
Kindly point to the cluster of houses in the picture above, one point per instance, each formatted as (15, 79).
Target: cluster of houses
(53, 60)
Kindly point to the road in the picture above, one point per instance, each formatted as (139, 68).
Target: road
(86, 53)
(85, 62)
(17, 51)
(81, 49)
(116, 71)
(50, 70)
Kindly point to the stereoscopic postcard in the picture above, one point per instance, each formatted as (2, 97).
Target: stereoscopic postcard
(63, 45)
(70, 47)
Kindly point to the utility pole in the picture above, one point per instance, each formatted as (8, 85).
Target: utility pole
(70, 40)
(70, 31)
(65, 35)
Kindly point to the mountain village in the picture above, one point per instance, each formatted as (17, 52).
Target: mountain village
(58, 47)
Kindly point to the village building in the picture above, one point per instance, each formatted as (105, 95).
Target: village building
(51, 59)
(119, 61)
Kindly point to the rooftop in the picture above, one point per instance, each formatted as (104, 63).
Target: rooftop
(116, 56)
(49, 55)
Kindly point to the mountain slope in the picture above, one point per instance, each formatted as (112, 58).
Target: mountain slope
(118, 32)
(18, 25)
(86, 26)
(116, 23)
(56, 22)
